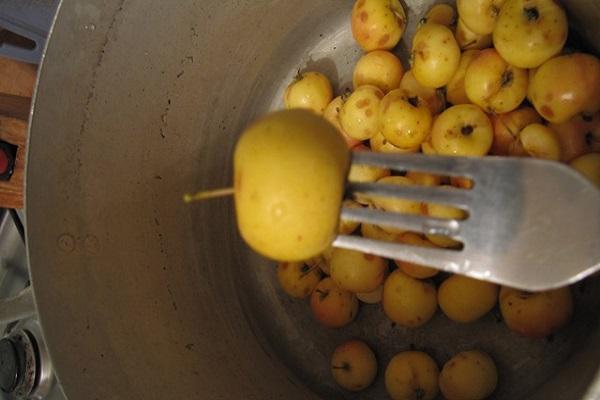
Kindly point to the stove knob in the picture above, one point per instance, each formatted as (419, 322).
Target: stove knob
(8, 154)
(9, 366)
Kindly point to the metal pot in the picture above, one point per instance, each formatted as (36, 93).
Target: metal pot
(142, 297)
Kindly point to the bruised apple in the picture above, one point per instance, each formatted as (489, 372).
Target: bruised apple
(566, 86)
(378, 68)
(529, 32)
(433, 98)
(404, 122)
(378, 24)
(353, 365)
(455, 90)
(578, 136)
(359, 113)
(507, 130)
(435, 55)
(462, 130)
(479, 15)
(310, 90)
(333, 306)
(495, 85)
(332, 114)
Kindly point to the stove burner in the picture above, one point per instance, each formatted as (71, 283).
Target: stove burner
(9, 366)
(8, 153)
(25, 369)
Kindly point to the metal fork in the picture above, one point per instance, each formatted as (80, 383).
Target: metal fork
(532, 224)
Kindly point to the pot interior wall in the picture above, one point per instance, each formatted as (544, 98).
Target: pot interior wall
(143, 297)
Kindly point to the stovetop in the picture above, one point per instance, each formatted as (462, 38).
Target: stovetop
(25, 368)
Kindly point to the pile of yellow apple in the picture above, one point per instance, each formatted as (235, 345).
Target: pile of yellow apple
(491, 77)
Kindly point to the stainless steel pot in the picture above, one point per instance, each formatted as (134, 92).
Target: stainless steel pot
(142, 297)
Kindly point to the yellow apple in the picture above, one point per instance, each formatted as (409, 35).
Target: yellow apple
(412, 375)
(347, 227)
(433, 98)
(357, 272)
(360, 112)
(539, 141)
(375, 232)
(468, 40)
(332, 114)
(378, 24)
(332, 306)
(529, 32)
(536, 314)
(461, 182)
(372, 297)
(435, 55)
(441, 13)
(495, 85)
(298, 279)
(589, 166)
(479, 15)
(310, 90)
(578, 136)
(469, 375)
(366, 173)
(408, 301)
(465, 299)
(424, 178)
(273, 204)
(415, 270)
(507, 128)
(462, 130)
(378, 68)
(394, 204)
(566, 86)
(446, 212)
(455, 90)
(404, 122)
(380, 144)
(353, 365)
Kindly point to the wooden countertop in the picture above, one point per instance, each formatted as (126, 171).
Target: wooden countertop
(17, 82)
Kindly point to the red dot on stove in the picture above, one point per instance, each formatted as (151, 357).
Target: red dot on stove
(4, 161)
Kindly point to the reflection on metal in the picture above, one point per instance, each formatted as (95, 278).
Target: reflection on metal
(17, 307)
(25, 25)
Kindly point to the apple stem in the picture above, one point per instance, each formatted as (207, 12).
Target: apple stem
(207, 194)
(307, 269)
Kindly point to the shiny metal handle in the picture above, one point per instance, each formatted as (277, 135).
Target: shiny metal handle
(17, 307)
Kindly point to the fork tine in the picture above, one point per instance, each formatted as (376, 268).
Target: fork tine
(415, 223)
(443, 165)
(429, 194)
(444, 259)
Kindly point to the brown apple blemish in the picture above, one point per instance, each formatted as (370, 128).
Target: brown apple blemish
(363, 103)
(546, 111)
(384, 39)
(507, 78)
